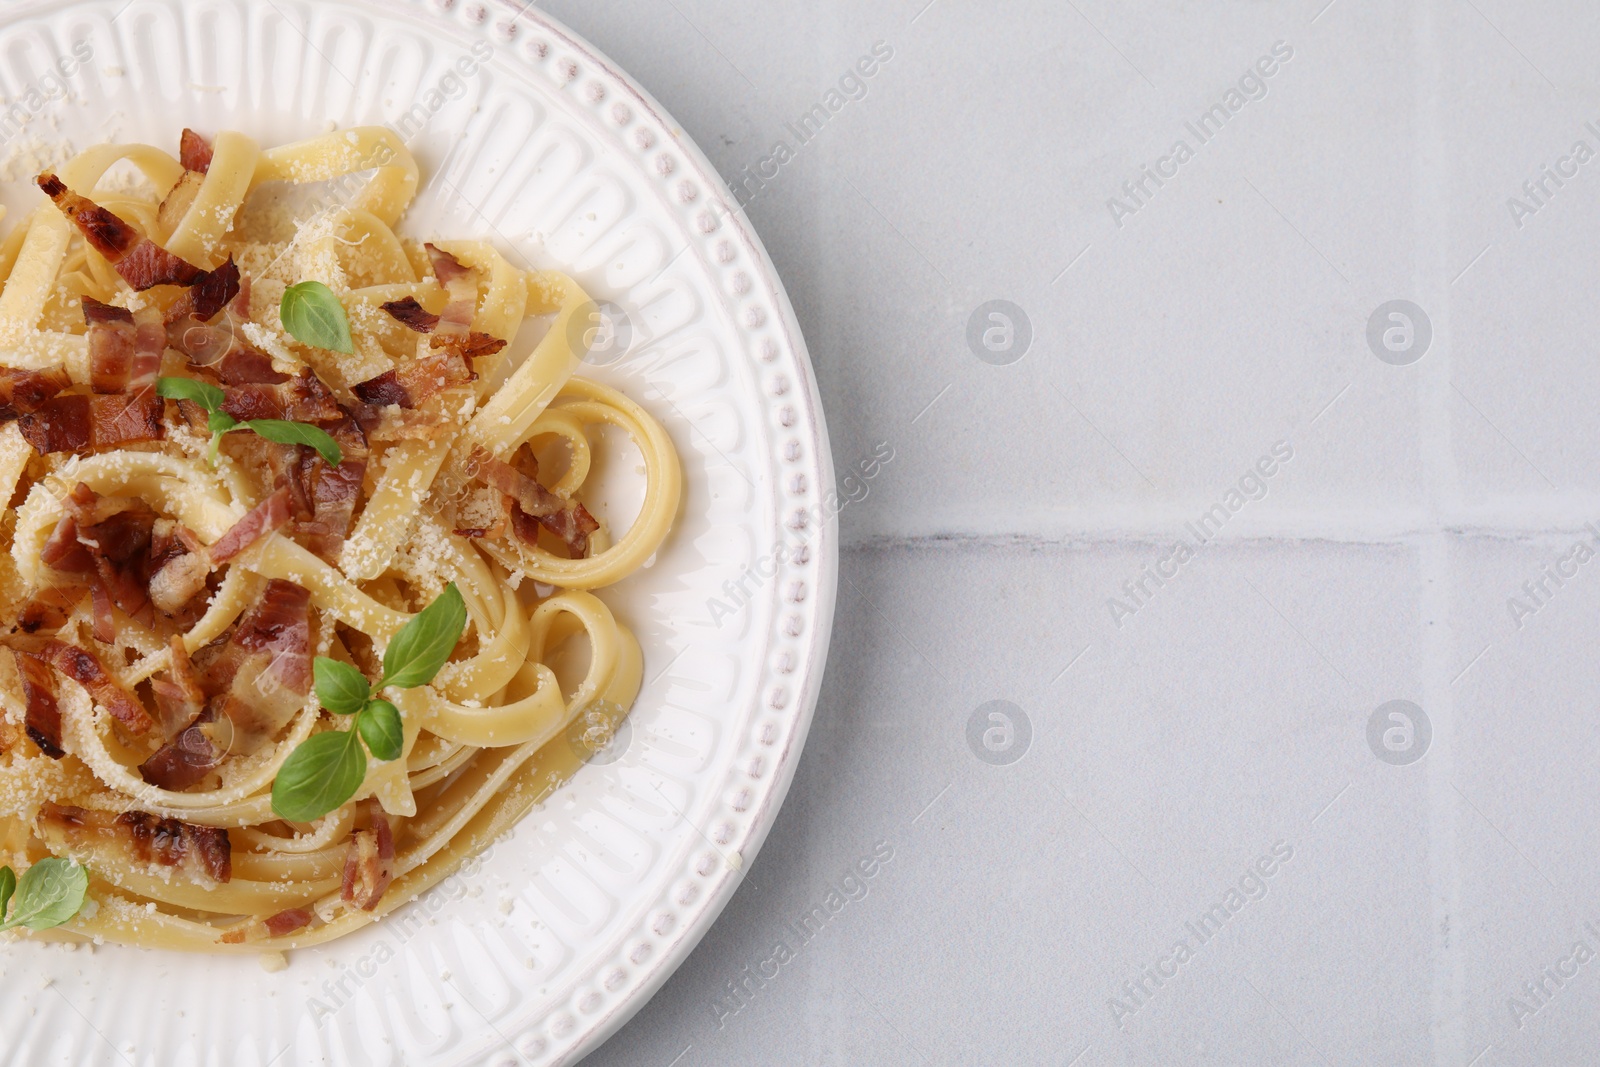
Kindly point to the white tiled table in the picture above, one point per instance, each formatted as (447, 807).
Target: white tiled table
(1225, 711)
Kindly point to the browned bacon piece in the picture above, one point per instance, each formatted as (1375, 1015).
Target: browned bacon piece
(111, 334)
(125, 553)
(105, 622)
(178, 566)
(369, 863)
(573, 526)
(168, 841)
(302, 399)
(279, 624)
(219, 345)
(189, 754)
(23, 391)
(63, 551)
(43, 714)
(201, 850)
(260, 674)
(333, 492)
(461, 292)
(258, 522)
(48, 609)
(141, 262)
(411, 314)
(124, 352)
(206, 298)
(61, 424)
(80, 424)
(194, 151)
(384, 390)
(284, 922)
(452, 327)
(184, 761)
(122, 420)
(180, 696)
(116, 533)
(82, 667)
(417, 380)
(533, 505)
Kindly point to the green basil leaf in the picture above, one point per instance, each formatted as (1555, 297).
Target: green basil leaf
(48, 894)
(381, 729)
(324, 772)
(297, 433)
(8, 885)
(423, 644)
(313, 314)
(205, 394)
(341, 688)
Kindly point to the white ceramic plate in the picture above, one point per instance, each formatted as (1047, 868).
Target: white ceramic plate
(529, 137)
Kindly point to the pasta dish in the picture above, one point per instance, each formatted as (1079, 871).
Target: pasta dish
(298, 566)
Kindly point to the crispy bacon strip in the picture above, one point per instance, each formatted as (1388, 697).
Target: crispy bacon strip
(61, 424)
(146, 838)
(121, 420)
(219, 345)
(451, 328)
(261, 520)
(534, 505)
(333, 491)
(168, 841)
(124, 353)
(111, 334)
(416, 381)
(284, 922)
(573, 527)
(302, 399)
(179, 566)
(279, 624)
(105, 623)
(189, 754)
(43, 714)
(63, 551)
(82, 667)
(205, 300)
(261, 672)
(22, 391)
(194, 151)
(80, 424)
(141, 262)
(116, 532)
(384, 390)
(48, 609)
(369, 863)
(461, 296)
(182, 762)
(126, 554)
(411, 314)
(180, 696)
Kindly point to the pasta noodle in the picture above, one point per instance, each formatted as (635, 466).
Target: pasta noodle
(162, 595)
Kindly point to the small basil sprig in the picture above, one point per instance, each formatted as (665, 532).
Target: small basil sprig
(50, 893)
(313, 315)
(220, 422)
(328, 768)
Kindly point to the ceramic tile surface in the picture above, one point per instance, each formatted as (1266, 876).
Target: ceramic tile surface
(1213, 385)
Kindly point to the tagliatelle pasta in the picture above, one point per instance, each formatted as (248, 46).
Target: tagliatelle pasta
(171, 569)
